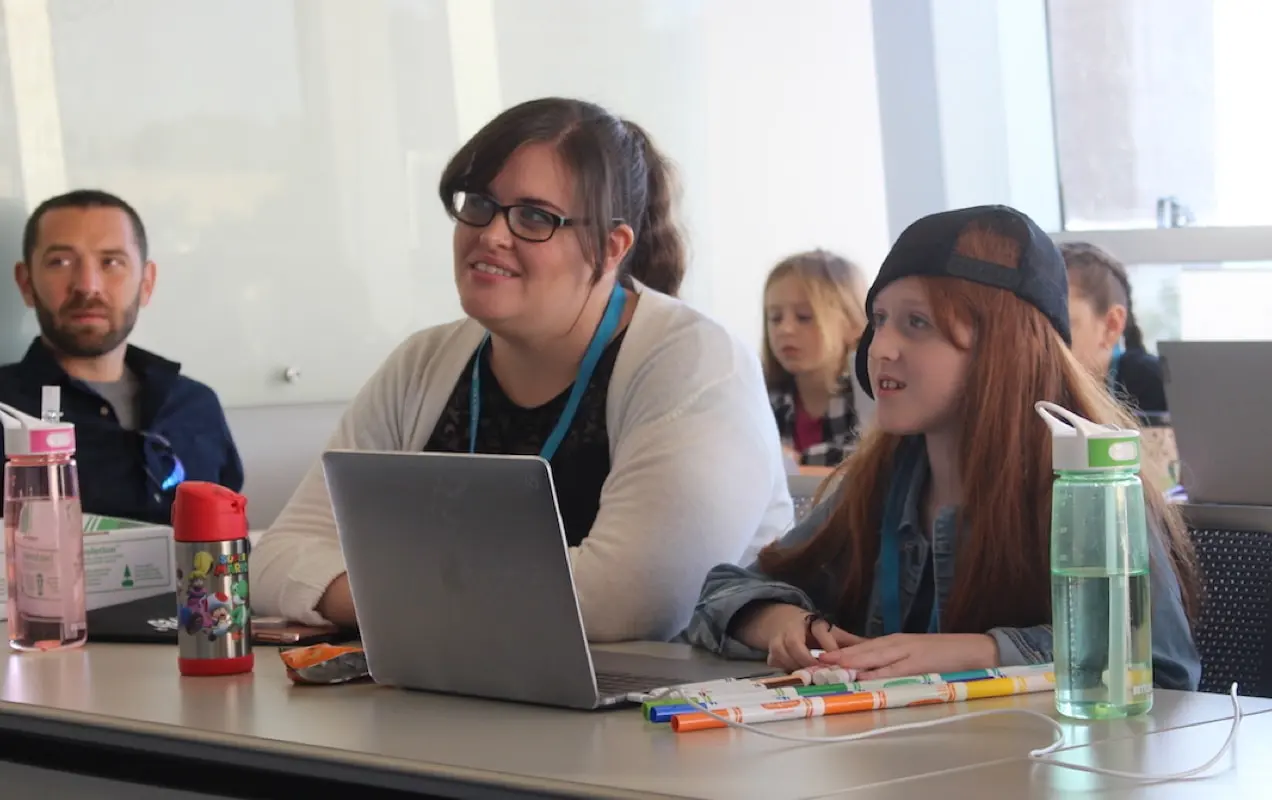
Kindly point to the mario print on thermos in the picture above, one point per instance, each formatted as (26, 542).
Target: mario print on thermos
(209, 531)
(215, 614)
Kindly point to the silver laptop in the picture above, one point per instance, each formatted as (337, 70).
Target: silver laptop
(460, 572)
(1218, 393)
(803, 489)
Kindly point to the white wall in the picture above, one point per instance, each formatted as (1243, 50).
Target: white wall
(286, 169)
(795, 155)
(772, 118)
(966, 107)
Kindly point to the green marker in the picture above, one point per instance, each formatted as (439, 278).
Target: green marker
(663, 708)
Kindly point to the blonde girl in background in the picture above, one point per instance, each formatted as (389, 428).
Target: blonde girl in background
(814, 315)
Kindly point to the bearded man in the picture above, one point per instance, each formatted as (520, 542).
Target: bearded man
(141, 426)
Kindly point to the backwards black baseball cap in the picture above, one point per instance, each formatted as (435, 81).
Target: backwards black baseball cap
(926, 248)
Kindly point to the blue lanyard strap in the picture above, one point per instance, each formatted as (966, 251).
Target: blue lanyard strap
(1110, 377)
(890, 548)
(595, 349)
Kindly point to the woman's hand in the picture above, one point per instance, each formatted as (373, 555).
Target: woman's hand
(915, 654)
(336, 603)
(789, 631)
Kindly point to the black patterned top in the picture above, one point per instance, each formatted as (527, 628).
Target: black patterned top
(580, 464)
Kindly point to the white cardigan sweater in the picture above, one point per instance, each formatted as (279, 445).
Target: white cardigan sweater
(696, 476)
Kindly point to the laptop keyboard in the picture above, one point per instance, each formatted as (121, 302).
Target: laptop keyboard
(802, 506)
(618, 683)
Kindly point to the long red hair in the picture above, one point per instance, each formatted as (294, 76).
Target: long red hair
(1002, 572)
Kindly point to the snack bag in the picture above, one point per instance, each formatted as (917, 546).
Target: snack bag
(325, 664)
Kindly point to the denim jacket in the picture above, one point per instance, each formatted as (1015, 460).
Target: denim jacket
(730, 588)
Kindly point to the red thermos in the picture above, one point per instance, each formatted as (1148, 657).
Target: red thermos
(209, 528)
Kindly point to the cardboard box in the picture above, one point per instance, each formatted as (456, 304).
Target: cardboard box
(123, 561)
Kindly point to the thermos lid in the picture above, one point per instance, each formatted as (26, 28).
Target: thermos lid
(208, 512)
(1080, 445)
(24, 435)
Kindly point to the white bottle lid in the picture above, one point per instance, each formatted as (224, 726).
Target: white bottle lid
(24, 435)
(1080, 445)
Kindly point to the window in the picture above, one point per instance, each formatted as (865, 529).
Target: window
(1160, 115)
(1164, 155)
(1155, 299)
(1229, 301)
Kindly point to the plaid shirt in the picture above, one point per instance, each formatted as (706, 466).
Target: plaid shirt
(839, 426)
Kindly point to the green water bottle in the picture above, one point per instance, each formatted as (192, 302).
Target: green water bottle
(1100, 605)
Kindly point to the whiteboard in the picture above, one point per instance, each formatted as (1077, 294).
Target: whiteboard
(284, 154)
(281, 167)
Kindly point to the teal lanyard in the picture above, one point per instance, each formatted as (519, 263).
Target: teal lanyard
(890, 549)
(604, 332)
(1110, 377)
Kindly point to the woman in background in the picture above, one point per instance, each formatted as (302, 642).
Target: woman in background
(1106, 339)
(814, 314)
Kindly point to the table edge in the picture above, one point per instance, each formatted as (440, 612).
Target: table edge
(283, 757)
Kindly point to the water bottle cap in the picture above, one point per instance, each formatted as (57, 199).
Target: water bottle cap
(208, 512)
(1080, 445)
(24, 435)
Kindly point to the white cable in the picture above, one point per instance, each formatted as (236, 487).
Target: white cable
(1237, 716)
(1039, 755)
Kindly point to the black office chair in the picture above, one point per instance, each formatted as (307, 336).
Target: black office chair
(1234, 634)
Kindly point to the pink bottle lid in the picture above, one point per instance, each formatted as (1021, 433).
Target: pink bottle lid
(24, 435)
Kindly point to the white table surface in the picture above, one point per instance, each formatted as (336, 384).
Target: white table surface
(132, 696)
(1247, 774)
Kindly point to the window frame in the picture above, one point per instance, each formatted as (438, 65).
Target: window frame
(1188, 245)
(1148, 246)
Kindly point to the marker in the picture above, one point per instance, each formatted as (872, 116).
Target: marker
(728, 696)
(982, 674)
(772, 682)
(827, 677)
(745, 685)
(828, 705)
(662, 709)
(822, 674)
(745, 688)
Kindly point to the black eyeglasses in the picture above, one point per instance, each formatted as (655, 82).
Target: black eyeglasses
(527, 222)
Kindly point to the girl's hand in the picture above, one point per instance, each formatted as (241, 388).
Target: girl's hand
(792, 631)
(904, 654)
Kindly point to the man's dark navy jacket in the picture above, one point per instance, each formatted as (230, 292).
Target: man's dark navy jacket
(121, 472)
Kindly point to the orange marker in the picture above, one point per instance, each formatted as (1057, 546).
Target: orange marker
(899, 697)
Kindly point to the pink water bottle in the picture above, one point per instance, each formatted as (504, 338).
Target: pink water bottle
(209, 531)
(43, 529)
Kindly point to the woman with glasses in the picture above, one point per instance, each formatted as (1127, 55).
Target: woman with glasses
(664, 452)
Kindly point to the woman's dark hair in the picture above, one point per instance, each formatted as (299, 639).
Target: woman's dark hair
(619, 175)
(1102, 279)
